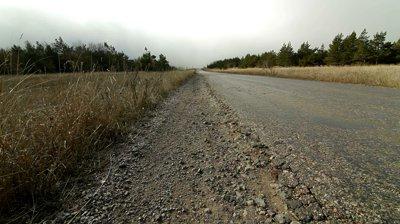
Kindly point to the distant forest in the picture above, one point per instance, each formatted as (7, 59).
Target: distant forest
(59, 57)
(349, 50)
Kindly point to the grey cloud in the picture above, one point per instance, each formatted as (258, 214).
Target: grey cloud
(313, 20)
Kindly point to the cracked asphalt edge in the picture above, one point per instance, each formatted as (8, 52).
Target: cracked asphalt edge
(297, 197)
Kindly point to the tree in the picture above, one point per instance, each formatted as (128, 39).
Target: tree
(26, 56)
(396, 49)
(62, 50)
(249, 61)
(363, 48)
(147, 61)
(61, 57)
(15, 59)
(334, 56)
(268, 59)
(286, 55)
(378, 47)
(162, 63)
(233, 62)
(319, 56)
(349, 48)
(306, 55)
(341, 51)
(226, 63)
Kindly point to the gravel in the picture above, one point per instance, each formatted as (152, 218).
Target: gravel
(192, 161)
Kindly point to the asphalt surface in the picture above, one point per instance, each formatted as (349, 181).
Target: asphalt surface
(349, 134)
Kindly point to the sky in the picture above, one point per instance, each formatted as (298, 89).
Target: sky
(193, 33)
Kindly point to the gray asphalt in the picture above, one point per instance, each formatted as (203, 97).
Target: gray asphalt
(351, 133)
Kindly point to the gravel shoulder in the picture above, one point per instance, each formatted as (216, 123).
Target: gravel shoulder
(192, 161)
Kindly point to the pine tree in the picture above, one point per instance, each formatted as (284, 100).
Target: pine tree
(379, 49)
(349, 48)
(334, 56)
(162, 63)
(147, 61)
(305, 55)
(320, 55)
(363, 51)
(286, 55)
(268, 59)
(396, 49)
(249, 61)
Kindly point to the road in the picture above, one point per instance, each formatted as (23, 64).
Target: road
(348, 134)
(248, 149)
(184, 163)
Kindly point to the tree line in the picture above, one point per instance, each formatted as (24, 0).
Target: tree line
(59, 57)
(343, 50)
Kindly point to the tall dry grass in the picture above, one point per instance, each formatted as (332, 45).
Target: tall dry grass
(377, 75)
(50, 123)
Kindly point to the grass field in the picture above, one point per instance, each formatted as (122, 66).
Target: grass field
(379, 75)
(49, 124)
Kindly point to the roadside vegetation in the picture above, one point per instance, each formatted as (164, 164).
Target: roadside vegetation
(332, 64)
(60, 57)
(374, 75)
(51, 124)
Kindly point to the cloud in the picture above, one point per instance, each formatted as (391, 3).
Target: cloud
(194, 33)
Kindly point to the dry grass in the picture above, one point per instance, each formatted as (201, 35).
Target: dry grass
(49, 123)
(379, 75)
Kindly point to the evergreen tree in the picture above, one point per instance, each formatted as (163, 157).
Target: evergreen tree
(349, 49)
(319, 56)
(306, 55)
(396, 49)
(334, 56)
(162, 63)
(342, 51)
(147, 61)
(286, 55)
(249, 61)
(363, 49)
(268, 59)
(61, 57)
(379, 48)
(233, 62)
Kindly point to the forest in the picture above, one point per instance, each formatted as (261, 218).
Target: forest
(352, 49)
(60, 57)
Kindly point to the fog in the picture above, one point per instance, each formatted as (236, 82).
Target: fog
(195, 33)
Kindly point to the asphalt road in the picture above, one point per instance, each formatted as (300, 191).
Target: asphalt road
(350, 134)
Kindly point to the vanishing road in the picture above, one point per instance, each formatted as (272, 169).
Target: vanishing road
(349, 135)
(249, 149)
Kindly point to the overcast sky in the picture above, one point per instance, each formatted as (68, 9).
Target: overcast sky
(195, 32)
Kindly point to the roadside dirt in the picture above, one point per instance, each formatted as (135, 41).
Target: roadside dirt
(192, 161)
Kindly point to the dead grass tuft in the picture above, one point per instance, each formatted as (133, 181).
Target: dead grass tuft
(49, 123)
(377, 75)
